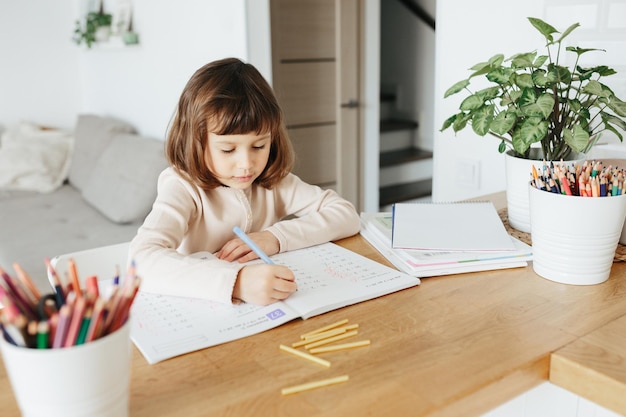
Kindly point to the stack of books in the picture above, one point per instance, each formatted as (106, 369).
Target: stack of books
(432, 239)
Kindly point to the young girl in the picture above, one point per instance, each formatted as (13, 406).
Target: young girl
(230, 160)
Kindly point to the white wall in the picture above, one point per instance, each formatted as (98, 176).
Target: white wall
(38, 63)
(46, 78)
(469, 32)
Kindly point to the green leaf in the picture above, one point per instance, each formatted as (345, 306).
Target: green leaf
(542, 107)
(540, 78)
(523, 60)
(618, 122)
(578, 139)
(488, 94)
(496, 60)
(527, 98)
(524, 81)
(447, 123)
(545, 102)
(574, 105)
(503, 122)
(579, 51)
(568, 31)
(460, 122)
(595, 88)
(481, 120)
(560, 74)
(472, 102)
(541, 59)
(612, 129)
(480, 66)
(545, 29)
(618, 106)
(459, 86)
(515, 95)
(519, 144)
(500, 75)
(532, 130)
(604, 71)
(502, 147)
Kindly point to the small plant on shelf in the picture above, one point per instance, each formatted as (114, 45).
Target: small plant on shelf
(87, 31)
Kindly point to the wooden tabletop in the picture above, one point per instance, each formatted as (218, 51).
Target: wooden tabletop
(594, 366)
(455, 345)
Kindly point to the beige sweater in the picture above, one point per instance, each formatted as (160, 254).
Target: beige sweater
(185, 220)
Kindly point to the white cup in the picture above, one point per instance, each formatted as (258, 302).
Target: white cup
(86, 380)
(574, 238)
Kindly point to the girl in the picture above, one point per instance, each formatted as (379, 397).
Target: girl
(230, 160)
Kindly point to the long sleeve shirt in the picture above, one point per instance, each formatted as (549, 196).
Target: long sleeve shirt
(186, 219)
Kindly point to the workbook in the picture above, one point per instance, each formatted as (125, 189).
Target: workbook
(376, 228)
(462, 226)
(328, 277)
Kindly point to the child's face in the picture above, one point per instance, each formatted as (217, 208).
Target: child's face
(237, 160)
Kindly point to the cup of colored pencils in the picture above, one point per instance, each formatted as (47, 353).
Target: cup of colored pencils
(574, 229)
(589, 179)
(67, 351)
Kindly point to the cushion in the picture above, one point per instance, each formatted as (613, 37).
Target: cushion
(92, 135)
(123, 183)
(34, 158)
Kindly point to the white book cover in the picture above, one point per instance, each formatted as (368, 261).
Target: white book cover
(376, 229)
(471, 226)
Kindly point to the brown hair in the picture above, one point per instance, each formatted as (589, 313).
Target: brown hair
(226, 97)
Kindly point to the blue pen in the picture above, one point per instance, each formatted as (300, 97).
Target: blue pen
(252, 245)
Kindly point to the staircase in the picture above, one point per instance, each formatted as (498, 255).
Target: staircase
(405, 171)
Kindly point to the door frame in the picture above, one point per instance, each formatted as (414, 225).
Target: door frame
(260, 55)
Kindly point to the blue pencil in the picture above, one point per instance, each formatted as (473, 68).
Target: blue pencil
(252, 245)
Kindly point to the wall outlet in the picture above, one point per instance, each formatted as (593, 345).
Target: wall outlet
(468, 173)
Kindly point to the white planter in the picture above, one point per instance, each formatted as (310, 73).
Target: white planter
(103, 33)
(518, 172)
(574, 238)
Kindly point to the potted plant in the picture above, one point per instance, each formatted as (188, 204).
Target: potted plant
(96, 28)
(534, 99)
(539, 108)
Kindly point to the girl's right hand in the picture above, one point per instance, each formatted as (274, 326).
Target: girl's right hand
(264, 284)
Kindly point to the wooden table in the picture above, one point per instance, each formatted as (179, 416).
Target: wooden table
(455, 345)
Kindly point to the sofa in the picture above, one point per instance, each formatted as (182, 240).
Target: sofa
(66, 191)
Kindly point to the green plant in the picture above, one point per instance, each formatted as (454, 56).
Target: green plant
(86, 32)
(533, 99)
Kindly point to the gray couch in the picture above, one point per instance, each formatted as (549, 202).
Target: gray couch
(110, 187)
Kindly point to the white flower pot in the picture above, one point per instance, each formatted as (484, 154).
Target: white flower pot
(103, 33)
(574, 238)
(518, 172)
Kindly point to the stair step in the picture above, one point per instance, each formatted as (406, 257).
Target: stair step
(401, 156)
(390, 125)
(387, 97)
(403, 192)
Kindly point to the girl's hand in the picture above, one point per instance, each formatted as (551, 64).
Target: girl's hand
(264, 284)
(237, 250)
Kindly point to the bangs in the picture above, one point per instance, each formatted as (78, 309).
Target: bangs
(244, 114)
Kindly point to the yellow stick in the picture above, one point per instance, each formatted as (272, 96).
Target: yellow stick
(314, 384)
(305, 355)
(338, 330)
(340, 347)
(323, 329)
(319, 336)
(331, 339)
